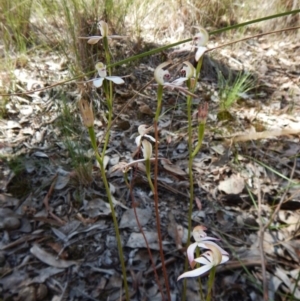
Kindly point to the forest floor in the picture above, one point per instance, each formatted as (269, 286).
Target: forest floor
(57, 239)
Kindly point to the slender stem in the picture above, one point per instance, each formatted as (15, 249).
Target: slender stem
(201, 129)
(211, 280)
(192, 154)
(119, 243)
(148, 172)
(159, 102)
(199, 279)
(109, 196)
(125, 175)
(107, 54)
(107, 135)
(146, 241)
(191, 179)
(161, 251)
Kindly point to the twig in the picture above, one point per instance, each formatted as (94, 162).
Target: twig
(261, 247)
(161, 251)
(46, 201)
(282, 198)
(146, 241)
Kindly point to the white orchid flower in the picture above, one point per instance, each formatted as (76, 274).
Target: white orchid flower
(201, 241)
(162, 76)
(209, 259)
(104, 33)
(147, 154)
(200, 40)
(101, 68)
(188, 71)
(143, 131)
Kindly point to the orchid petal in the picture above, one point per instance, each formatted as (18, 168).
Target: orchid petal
(205, 258)
(101, 68)
(147, 149)
(200, 52)
(94, 40)
(116, 79)
(117, 37)
(196, 272)
(209, 245)
(103, 28)
(138, 140)
(188, 69)
(98, 82)
(179, 81)
(225, 258)
(198, 233)
(143, 129)
(207, 238)
(190, 253)
(201, 38)
(150, 137)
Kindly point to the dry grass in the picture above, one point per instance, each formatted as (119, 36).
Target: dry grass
(55, 26)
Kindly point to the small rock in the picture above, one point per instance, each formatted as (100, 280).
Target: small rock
(27, 293)
(2, 259)
(41, 292)
(10, 223)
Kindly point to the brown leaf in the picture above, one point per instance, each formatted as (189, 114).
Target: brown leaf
(50, 259)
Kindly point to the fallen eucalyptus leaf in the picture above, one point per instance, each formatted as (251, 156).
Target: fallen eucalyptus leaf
(50, 259)
(128, 219)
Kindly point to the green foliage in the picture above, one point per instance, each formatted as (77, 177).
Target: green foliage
(67, 122)
(15, 24)
(231, 90)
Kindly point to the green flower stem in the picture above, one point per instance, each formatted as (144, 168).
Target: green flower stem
(109, 67)
(190, 165)
(198, 69)
(107, 135)
(107, 88)
(191, 179)
(107, 55)
(109, 196)
(192, 155)
(201, 129)
(159, 102)
(211, 280)
(107, 91)
(199, 279)
(161, 251)
(148, 172)
(93, 138)
(125, 175)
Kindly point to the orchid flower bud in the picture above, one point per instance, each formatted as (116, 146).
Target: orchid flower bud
(86, 111)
